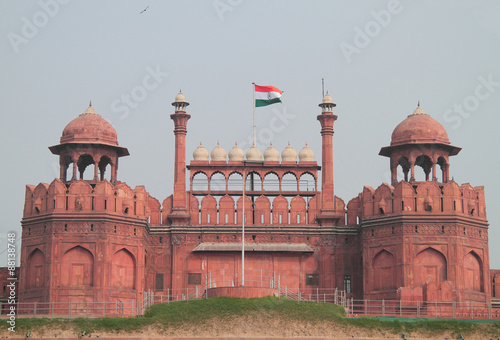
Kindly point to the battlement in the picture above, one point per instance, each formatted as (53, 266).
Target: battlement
(420, 198)
(81, 196)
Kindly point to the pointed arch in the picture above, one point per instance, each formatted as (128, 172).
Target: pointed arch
(208, 210)
(36, 269)
(280, 210)
(430, 266)
(123, 272)
(473, 272)
(298, 210)
(77, 268)
(384, 270)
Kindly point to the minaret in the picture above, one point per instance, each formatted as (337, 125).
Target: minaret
(327, 119)
(180, 214)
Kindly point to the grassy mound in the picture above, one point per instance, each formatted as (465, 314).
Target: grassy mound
(198, 315)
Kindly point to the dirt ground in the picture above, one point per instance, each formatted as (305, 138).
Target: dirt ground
(255, 326)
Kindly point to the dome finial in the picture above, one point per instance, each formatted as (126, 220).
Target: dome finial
(418, 103)
(90, 103)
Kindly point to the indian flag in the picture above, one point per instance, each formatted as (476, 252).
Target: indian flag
(267, 95)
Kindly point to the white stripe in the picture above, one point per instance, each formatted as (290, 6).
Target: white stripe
(267, 95)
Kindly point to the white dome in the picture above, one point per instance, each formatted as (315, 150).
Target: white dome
(306, 154)
(271, 154)
(327, 99)
(236, 153)
(254, 154)
(289, 154)
(180, 98)
(200, 153)
(218, 153)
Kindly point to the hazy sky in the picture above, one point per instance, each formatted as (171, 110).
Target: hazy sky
(378, 59)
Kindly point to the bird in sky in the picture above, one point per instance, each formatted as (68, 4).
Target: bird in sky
(144, 10)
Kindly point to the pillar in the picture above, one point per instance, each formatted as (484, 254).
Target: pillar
(327, 119)
(180, 214)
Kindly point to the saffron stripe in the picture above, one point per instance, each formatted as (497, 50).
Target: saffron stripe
(267, 89)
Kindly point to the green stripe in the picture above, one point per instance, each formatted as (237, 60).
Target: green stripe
(261, 102)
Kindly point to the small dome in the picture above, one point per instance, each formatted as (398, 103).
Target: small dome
(327, 99)
(89, 127)
(200, 153)
(271, 154)
(306, 154)
(419, 128)
(289, 154)
(218, 153)
(254, 154)
(180, 98)
(236, 154)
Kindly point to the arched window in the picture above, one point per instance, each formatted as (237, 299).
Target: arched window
(253, 182)
(405, 167)
(271, 182)
(217, 182)
(235, 182)
(425, 163)
(83, 162)
(200, 182)
(307, 182)
(289, 182)
(105, 168)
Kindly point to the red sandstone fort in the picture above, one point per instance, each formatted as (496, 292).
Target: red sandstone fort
(101, 240)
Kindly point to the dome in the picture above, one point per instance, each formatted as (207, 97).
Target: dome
(306, 154)
(89, 127)
(200, 153)
(218, 153)
(271, 154)
(419, 128)
(180, 98)
(254, 154)
(289, 154)
(327, 99)
(236, 154)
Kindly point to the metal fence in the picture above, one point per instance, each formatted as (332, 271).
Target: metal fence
(424, 309)
(75, 309)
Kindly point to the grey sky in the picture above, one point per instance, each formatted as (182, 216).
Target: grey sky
(376, 67)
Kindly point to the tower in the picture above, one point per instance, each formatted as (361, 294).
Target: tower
(423, 238)
(327, 214)
(83, 235)
(180, 215)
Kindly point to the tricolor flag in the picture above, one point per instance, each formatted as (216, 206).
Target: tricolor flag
(267, 95)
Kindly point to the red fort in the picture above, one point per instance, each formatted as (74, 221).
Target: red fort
(97, 239)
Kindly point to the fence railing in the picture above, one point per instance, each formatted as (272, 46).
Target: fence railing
(424, 309)
(75, 309)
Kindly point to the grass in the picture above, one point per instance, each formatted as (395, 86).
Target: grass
(202, 311)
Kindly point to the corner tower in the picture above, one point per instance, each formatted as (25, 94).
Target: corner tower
(423, 239)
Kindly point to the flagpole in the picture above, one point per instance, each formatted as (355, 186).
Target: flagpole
(254, 139)
(243, 236)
